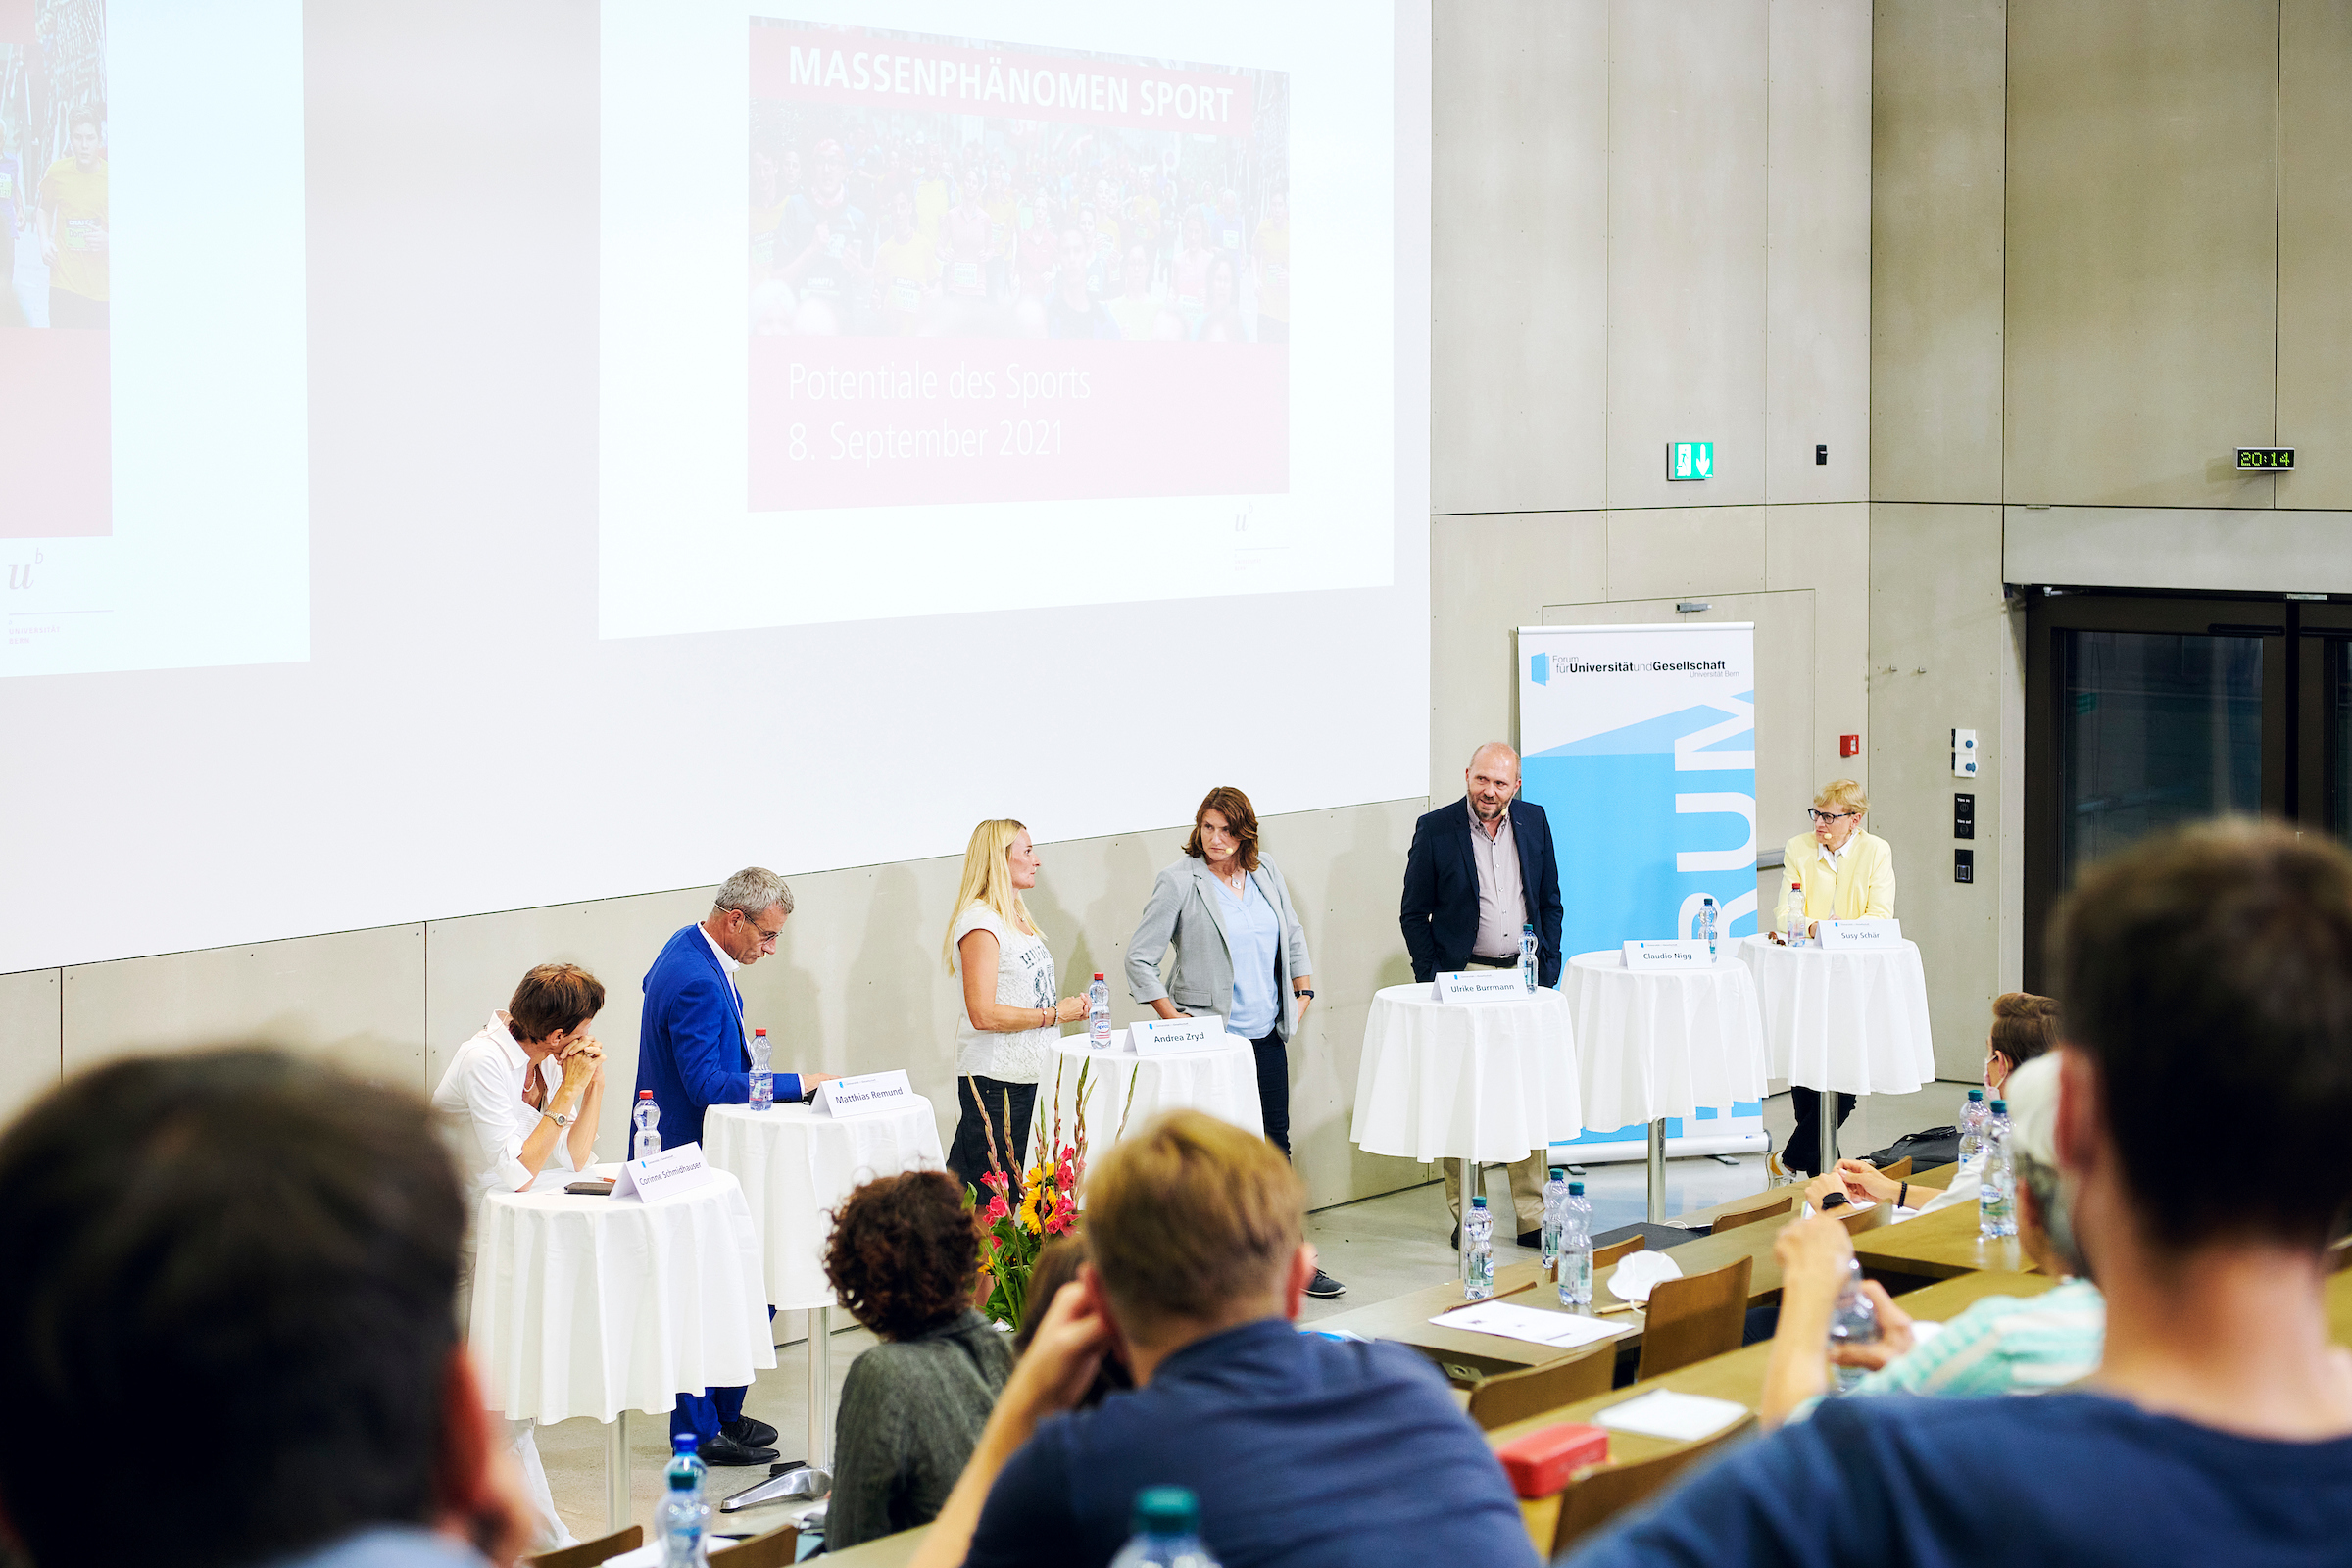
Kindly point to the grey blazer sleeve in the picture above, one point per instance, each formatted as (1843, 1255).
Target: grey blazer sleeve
(1294, 936)
(1152, 933)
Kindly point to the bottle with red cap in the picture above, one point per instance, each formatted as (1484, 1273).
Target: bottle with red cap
(1098, 1015)
(647, 1142)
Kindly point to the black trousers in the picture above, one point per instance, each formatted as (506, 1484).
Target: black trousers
(967, 1157)
(1274, 1089)
(1804, 1145)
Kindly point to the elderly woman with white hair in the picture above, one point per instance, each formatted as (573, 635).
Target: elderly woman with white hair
(1836, 871)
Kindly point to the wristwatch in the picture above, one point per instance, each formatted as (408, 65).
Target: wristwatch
(1304, 996)
(559, 1118)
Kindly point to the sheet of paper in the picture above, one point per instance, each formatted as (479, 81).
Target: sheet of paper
(1566, 1330)
(1682, 1417)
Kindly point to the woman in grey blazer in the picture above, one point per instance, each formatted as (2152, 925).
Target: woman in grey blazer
(1240, 952)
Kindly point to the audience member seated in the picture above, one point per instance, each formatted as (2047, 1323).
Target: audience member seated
(1056, 1265)
(1302, 1449)
(904, 1258)
(254, 1256)
(2025, 1028)
(2203, 975)
(1999, 1344)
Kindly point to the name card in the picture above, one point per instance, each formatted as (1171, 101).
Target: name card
(1482, 985)
(1159, 1035)
(1667, 956)
(863, 1094)
(674, 1170)
(1861, 933)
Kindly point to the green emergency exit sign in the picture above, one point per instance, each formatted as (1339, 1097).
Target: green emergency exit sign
(2267, 460)
(1689, 460)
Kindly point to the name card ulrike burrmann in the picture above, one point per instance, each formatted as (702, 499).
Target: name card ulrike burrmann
(1157, 1036)
(1649, 957)
(1860, 934)
(674, 1170)
(865, 1094)
(1482, 985)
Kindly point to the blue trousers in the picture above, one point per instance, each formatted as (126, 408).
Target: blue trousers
(704, 1414)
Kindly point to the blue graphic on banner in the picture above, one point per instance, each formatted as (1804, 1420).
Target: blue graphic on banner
(1647, 821)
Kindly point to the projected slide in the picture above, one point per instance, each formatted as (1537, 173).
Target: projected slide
(152, 428)
(1091, 305)
(1071, 225)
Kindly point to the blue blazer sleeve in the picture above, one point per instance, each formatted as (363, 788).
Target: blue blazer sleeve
(1545, 895)
(1420, 901)
(707, 1043)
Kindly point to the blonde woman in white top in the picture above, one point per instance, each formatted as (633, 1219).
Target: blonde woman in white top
(1012, 1009)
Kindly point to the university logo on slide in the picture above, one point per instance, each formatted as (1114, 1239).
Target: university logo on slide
(990, 272)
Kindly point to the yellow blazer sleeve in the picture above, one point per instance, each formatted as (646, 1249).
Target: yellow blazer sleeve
(1878, 895)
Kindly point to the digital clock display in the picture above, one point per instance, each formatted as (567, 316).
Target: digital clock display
(2272, 460)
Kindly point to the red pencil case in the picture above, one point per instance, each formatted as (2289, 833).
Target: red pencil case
(1540, 1463)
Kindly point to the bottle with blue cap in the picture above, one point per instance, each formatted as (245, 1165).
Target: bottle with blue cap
(1167, 1532)
(682, 1518)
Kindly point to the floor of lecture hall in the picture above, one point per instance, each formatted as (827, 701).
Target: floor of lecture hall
(1379, 1246)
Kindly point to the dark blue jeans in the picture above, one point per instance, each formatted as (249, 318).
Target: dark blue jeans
(1274, 1089)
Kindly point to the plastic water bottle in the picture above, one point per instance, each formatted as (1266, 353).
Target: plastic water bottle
(1576, 1247)
(1530, 957)
(1167, 1532)
(1097, 1014)
(1555, 1194)
(682, 1516)
(1855, 1322)
(1996, 1181)
(1478, 1257)
(646, 1143)
(1971, 1125)
(764, 1082)
(1794, 935)
(1706, 924)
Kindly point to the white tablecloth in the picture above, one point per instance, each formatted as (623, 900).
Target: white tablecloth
(1222, 1082)
(797, 1166)
(592, 1306)
(1489, 1081)
(1651, 1043)
(1853, 1019)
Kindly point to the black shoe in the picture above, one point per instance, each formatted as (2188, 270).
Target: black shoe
(750, 1433)
(1453, 1242)
(1324, 1288)
(1533, 1239)
(723, 1450)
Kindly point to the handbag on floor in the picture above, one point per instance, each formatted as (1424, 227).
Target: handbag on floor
(1926, 1149)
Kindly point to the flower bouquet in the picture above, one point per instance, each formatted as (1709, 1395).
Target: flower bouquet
(1016, 1224)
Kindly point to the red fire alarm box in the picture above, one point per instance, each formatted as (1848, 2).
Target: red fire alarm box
(1849, 745)
(1540, 1463)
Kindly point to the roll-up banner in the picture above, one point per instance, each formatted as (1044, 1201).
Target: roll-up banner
(1640, 742)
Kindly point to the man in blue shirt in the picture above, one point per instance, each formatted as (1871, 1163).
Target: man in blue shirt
(693, 1052)
(1302, 1450)
(2205, 986)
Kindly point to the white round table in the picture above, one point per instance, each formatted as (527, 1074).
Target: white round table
(1842, 1020)
(1658, 1043)
(1221, 1081)
(598, 1307)
(797, 1166)
(1484, 1082)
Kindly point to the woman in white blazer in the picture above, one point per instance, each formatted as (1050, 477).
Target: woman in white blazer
(1240, 952)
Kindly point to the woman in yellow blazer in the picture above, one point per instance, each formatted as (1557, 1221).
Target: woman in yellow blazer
(1846, 874)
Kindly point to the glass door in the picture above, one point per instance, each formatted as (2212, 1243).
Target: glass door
(2324, 715)
(2141, 714)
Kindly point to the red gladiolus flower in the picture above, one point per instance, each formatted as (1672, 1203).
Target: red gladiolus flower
(997, 1209)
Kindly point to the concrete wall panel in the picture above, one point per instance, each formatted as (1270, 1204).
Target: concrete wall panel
(2314, 252)
(31, 1036)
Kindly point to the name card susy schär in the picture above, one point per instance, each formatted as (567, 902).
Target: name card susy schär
(1667, 956)
(1482, 985)
(1159, 1036)
(671, 1171)
(1860, 933)
(863, 1094)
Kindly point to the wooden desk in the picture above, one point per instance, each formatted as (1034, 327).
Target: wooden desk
(1405, 1319)
(883, 1551)
(1936, 1247)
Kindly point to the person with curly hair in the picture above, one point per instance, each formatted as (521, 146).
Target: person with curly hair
(904, 1258)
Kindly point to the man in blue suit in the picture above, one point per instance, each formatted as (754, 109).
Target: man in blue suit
(1480, 871)
(692, 1052)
